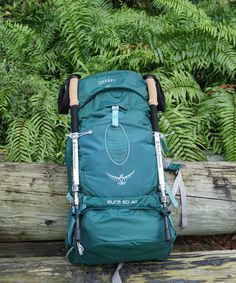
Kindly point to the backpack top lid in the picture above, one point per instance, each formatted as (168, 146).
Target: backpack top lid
(94, 84)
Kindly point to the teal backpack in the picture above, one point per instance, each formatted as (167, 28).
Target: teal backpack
(118, 213)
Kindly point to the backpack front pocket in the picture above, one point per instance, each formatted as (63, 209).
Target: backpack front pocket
(129, 228)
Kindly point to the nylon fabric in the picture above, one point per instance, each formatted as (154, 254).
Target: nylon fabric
(121, 218)
(113, 80)
(143, 202)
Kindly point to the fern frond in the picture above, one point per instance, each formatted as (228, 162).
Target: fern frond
(215, 58)
(221, 109)
(207, 128)
(226, 105)
(21, 45)
(181, 88)
(199, 18)
(19, 141)
(182, 143)
(44, 140)
(79, 19)
(130, 58)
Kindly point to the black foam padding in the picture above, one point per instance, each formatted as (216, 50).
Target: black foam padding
(161, 107)
(63, 97)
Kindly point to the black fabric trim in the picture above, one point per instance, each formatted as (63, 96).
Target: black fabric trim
(161, 107)
(63, 97)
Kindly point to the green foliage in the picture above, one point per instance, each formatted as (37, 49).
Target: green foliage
(220, 120)
(180, 126)
(189, 45)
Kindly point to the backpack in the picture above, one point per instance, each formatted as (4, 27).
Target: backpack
(119, 211)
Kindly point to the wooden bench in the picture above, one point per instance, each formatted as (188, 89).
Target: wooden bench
(207, 266)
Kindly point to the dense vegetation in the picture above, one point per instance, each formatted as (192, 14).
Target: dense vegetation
(189, 45)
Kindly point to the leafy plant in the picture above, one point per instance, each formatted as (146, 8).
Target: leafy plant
(189, 45)
(220, 115)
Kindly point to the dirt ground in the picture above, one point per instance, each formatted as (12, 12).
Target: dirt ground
(201, 243)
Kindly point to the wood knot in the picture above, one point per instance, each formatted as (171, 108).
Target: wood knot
(221, 184)
(49, 222)
(49, 173)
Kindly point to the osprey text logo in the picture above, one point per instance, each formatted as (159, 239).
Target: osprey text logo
(121, 180)
(106, 81)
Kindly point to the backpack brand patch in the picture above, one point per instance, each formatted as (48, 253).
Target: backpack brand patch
(121, 180)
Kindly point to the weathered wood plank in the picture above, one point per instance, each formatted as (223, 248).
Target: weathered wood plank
(32, 249)
(33, 205)
(57, 248)
(217, 266)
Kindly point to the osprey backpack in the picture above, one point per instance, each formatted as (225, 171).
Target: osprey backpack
(119, 209)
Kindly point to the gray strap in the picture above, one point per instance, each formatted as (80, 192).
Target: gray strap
(116, 275)
(179, 184)
(166, 164)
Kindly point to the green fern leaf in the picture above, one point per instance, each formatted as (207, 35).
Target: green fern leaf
(179, 124)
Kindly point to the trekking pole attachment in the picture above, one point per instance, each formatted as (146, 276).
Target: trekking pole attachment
(74, 102)
(153, 102)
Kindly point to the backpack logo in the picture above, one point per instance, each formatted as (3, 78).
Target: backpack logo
(105, 81)
(121, 180)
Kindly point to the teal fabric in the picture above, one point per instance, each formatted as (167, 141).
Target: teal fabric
(174, 166)
(121, 216)
(171, 196)
(116, 80)
(143, 202)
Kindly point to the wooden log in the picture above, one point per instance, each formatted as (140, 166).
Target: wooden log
(33, 206)
(214, 266)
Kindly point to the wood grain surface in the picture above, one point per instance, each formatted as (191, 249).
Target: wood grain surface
(33, 203)
(214, 266)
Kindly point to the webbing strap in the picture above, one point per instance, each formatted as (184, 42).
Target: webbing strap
(172, 166)
(171, 196)
(115, 116)
(116, 275)
(179, 184)
(69, 197)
